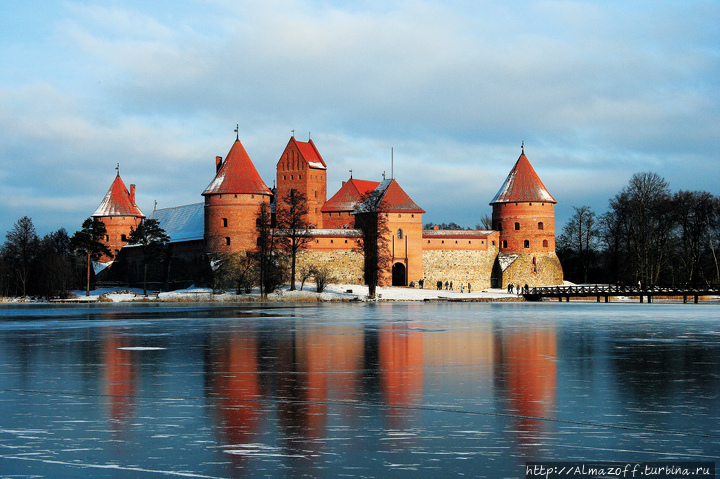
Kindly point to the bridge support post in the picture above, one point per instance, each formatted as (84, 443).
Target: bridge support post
(696, 299)
(598, 298)
(607, 298)
(684, 298)
(641, 298)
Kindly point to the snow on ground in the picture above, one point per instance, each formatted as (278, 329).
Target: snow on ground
(333, 292)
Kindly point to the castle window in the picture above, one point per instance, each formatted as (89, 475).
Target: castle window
(224, 222)
(541, 226)
(227, 241)
(284, 177)
(545, 243)
(107, 237)
(526, 244)
(517, 226)
(504, 244)
(299, 177)
(123, 237)
(399, 234)
(332, 241)
(530, 204)
(399, 215)
(345, 241)
(493, 243)
(292, 177)
(315, 193)
(412, 216)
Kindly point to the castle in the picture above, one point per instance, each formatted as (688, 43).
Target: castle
(520, 249)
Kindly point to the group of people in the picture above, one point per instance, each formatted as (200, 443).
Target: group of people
(448, 286)
(518, 289)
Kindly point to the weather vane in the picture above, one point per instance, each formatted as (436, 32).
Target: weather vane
(117, 168)
(351, 174)
(522, 147)
(237, 131)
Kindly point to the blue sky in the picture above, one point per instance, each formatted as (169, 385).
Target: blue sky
(596, 90)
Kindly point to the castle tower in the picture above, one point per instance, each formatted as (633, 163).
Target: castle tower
(232, 201)
(524, 214)
(119, 214)
(403, 219)
(302, 168)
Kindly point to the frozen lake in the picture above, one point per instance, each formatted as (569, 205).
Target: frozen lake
(353, 390)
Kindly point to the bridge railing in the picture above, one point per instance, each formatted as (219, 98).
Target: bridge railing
(622, 290)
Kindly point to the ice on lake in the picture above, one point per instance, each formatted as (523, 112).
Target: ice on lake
(353, 390)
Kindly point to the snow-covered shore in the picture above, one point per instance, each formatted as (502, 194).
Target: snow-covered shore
(333, 292)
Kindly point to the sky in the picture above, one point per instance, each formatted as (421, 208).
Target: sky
(449, 90)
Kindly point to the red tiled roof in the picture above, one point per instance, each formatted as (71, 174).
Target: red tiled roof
(117, 202)
(388, 197)
(237, 175)
(349, 195)
(310, 154)
(523, 185)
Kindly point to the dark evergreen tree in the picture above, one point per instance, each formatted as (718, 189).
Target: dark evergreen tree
(153, 240)
(19, 252)
(87, 243)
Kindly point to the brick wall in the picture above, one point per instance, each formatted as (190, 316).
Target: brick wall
(117, 229)
(230, 218)
(474, 267)
(346, 266)
(521, 222)
(537, 269)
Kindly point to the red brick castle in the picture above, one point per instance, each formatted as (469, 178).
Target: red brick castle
(519, 250)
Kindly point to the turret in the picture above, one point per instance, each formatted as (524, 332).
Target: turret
(119, 214)
(232, 202)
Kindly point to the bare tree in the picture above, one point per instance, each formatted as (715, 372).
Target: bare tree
(293, 226)
(375, 240)
(580, 239)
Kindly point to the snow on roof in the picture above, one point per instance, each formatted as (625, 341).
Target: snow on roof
(523, 185)
(310, 154)
(182, 223)
(118, 202)
(457, 233)
(349, 195)
(237, 175)
(389, 197)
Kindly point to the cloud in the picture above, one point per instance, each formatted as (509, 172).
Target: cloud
(597, 90)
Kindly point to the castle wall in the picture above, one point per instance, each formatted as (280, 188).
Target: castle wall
(117, 229)
(230, 222)
(405, 244)
(535, 224)
(459, 266)
(338, 220)
(344, 265)
(533, 269)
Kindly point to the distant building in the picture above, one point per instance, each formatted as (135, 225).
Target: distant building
(519, 250)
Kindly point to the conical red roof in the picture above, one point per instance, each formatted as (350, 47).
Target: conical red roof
(349, 195)
(388, 197)
(237, 175)
(523, 185)
(118, 202)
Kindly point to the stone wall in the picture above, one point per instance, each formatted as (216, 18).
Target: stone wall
(460, 267)
(346, 266)
(545, 271)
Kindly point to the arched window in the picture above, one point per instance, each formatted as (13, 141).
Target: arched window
(517, 226)
(227, 241)
(526, 243)
(224, 222)
(399, 234)
(504, 245)
(541, 226)
(545, 243)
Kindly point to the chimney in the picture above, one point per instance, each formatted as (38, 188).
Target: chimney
(132, 194)
(218, 163)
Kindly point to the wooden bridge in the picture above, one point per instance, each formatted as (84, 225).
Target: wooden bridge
(608, 290)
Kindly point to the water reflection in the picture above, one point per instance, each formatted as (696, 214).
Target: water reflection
(358, 391)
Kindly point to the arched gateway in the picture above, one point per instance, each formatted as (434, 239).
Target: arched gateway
(398, 275)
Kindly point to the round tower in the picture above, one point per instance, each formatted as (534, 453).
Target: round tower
(232, 202)
(524, 215)
(119, 214)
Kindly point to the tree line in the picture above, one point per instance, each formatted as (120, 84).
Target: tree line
(648, 235)
(57, 263)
